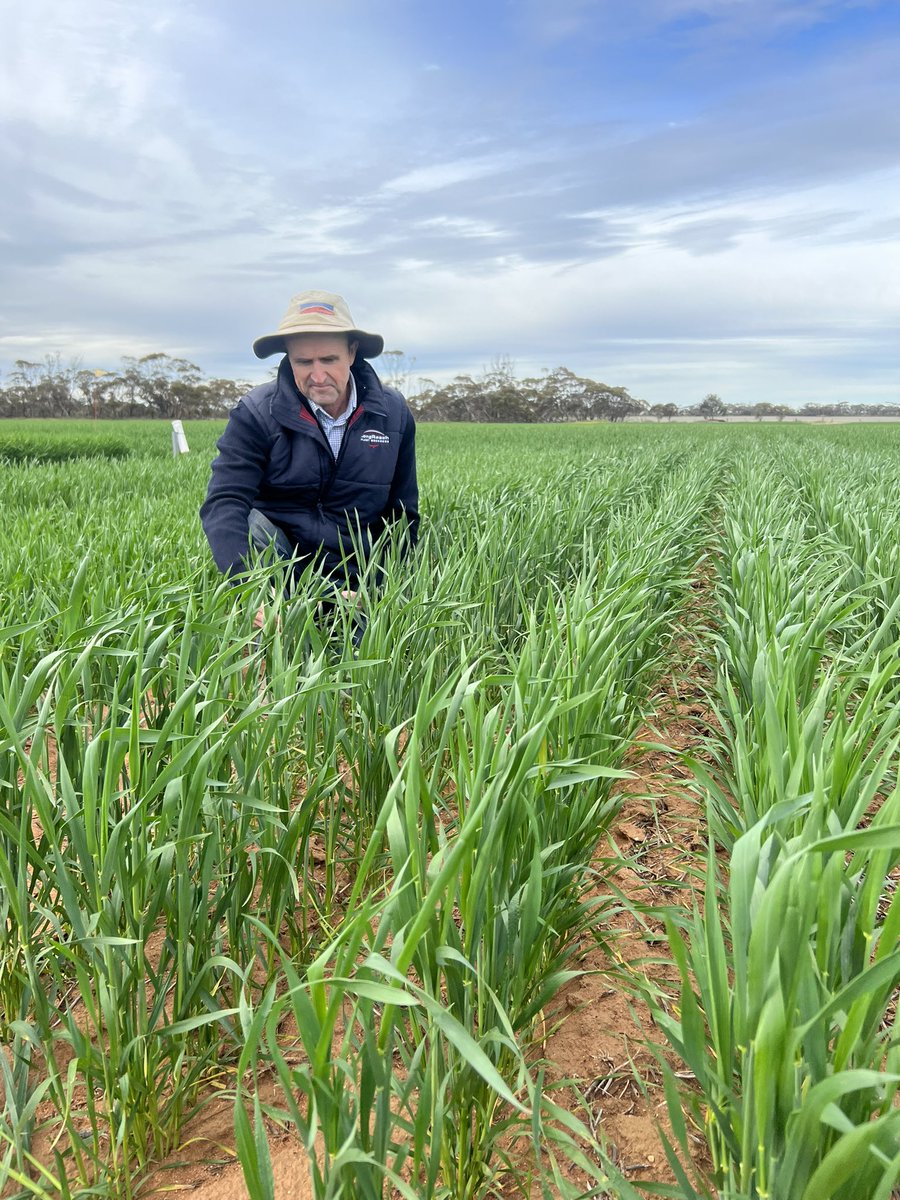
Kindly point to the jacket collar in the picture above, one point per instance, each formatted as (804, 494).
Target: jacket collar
(288, 404)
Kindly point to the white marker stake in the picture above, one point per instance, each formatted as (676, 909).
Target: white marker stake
(179, 441)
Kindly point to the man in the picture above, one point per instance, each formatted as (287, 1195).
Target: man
(318, 462)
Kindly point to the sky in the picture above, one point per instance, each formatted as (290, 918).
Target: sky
(673, 196)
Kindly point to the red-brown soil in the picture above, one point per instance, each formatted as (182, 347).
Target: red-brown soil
(602, 1041)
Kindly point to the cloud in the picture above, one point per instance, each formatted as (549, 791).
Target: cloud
(563, 184)
(97, 74)
(440, 175)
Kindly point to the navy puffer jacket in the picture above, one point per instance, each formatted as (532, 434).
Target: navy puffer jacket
(273, 456)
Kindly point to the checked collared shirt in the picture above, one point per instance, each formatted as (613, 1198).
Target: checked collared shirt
(333, 427)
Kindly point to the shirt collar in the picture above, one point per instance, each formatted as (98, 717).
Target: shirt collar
(345, 415)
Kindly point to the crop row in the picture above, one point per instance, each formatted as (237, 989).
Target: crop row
(790, 968)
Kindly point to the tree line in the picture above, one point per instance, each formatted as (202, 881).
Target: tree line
(162, 387)
(712, 407)
(155, 385)
(497, 395)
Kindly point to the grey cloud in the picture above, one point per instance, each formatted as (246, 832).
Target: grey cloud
(707, 235)
(768, 145)
(58, 189)
(716, 156)
(711, 159)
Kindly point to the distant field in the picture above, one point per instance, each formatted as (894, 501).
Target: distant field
(634, 707)
(792, 418)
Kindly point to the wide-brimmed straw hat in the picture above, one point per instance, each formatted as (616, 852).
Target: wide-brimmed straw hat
(317, 312)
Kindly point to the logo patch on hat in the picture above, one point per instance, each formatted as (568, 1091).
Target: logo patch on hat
(374, 437)
(316, 306)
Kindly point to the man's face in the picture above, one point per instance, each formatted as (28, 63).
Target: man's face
(321, 365)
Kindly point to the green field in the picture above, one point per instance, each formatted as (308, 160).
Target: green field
(346, 891)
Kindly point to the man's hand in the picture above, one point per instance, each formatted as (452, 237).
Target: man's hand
(260, 619)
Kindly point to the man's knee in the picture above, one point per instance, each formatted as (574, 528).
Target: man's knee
(265, 533)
